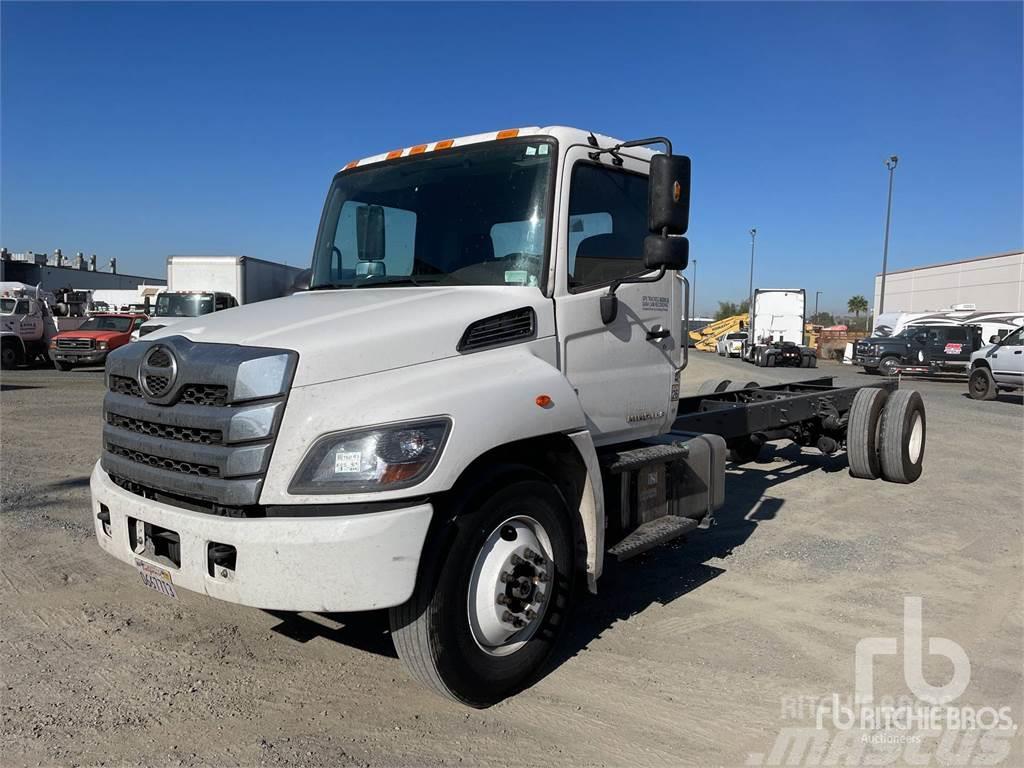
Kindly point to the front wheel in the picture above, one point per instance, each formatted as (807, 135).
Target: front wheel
(888, 366)
(492, 597)
(61, 366)
(10, 356)
(981, 385)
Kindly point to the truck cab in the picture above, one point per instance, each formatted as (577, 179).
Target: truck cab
(172, 307)
(93, 340)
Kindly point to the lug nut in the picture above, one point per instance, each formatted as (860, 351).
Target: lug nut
(501, 600)
(504, 577)
(541, 577)
(517, 560)
(530, 614)
(531, 555)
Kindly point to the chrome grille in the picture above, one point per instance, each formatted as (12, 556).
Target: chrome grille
(203, 426)
(76, 343)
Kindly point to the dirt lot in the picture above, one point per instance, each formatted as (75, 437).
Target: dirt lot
(691, 655)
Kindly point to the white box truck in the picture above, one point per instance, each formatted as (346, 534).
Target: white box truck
(467, 413)
(776, 330)
(199, 285)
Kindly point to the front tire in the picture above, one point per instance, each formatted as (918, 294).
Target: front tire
(887, 367)
(61, 366)
(981, 385)
(493, 594)
(10, 356)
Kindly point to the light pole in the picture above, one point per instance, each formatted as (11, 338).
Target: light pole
(891, 165)
(750, 305)
(816, 295)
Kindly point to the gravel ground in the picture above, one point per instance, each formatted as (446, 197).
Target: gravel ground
(691, 655)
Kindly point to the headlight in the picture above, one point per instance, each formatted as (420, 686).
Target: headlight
(101, 345)
(375, 459)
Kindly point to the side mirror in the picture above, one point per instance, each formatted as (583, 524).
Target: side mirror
(370, 233)
(993, 339)
(668, 213)
(668, 197)
(667, 252)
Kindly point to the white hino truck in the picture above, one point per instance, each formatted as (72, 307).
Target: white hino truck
(473, 406)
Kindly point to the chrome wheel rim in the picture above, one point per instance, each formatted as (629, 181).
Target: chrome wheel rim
(510, 585)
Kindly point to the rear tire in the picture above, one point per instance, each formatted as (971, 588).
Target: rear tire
(902, 437)
(812, 361)
(769, 360)
(862, 433)
(446, 632)
(981, 385)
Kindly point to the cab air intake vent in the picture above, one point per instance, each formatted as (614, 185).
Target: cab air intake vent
(507, 328)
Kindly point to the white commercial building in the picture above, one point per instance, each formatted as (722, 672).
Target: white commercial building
(994, 283)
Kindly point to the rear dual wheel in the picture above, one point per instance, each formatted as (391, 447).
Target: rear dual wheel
(712, 386)
(885, 435)
(492, 595)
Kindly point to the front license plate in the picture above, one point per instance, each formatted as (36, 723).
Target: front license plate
(156, 578)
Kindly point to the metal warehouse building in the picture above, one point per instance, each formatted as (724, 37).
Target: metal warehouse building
(990, 282)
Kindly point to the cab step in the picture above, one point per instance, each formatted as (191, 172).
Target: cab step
(651, 534)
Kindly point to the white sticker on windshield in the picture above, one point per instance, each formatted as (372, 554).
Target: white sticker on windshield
(516, 276)
(543, 149)
(531, 151)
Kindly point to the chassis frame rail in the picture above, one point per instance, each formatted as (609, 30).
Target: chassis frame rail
(770, 411)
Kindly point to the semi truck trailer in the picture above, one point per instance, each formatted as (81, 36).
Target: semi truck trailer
(474, 406)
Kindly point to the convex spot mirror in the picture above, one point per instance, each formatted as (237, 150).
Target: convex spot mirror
(667, 252)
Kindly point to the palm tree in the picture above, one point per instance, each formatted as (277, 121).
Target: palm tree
(857, 304)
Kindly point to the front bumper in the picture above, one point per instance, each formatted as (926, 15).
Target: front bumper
(868, 361)
(343, 563)
(75, 357)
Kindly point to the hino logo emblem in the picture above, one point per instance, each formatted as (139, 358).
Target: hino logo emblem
(157, 371)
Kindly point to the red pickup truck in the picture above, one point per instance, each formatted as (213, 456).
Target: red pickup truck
(92, 340)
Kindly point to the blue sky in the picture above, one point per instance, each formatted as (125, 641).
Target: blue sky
(141, 130)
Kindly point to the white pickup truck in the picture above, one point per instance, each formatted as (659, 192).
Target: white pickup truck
(474, 404)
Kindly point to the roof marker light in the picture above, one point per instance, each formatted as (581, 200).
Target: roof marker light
(445, 144)
(353, 164)
(418, 149)
(393, 154)
(510, 133)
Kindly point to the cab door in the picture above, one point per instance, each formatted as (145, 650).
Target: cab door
(1007, 359)
(626, 372)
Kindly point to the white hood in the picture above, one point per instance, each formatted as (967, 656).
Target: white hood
(356, 331)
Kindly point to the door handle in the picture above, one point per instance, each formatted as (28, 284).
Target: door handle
(1017, 352)
(658, 332)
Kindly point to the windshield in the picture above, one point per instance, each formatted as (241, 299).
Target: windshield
(7, 306)
(736, 336)
(471, 216)
(106, 324)
(184, 304)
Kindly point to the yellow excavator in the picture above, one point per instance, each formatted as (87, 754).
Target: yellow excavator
(706, 339)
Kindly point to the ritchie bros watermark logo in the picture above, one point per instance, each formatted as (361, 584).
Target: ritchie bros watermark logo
(924, 727)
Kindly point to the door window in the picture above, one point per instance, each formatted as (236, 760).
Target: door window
(607, 225)
(1015, 339)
